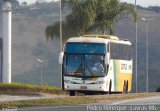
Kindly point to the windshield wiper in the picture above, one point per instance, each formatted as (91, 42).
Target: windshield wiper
(80, 66)
(89, 70)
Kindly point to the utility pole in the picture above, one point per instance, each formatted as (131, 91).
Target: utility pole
(61, 41)
(147, 21)
(6, 33)
(41, 61)
(136, 51)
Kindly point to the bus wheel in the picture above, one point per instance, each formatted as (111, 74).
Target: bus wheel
(125, 87)
(110, 87)
(72, 93)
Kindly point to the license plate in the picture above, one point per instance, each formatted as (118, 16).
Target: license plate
(83, 87)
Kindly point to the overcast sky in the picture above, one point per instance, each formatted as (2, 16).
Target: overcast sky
(144, 3)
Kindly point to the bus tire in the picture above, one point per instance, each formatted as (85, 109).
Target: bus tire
(72, 93)
(62, 83)
(125, 87)
(110, 87)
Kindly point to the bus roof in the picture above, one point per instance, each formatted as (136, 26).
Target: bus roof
(99, 39)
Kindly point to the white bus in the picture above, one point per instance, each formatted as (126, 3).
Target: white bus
(96, 63)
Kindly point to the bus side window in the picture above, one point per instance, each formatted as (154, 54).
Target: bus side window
(120, 51)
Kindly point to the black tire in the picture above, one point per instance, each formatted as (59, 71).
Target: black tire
(125, 87)
(62, 83)
(72, 93)
(158, 90)
(62, 78)
(110, 87)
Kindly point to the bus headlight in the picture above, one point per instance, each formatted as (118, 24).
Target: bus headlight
(100, 82)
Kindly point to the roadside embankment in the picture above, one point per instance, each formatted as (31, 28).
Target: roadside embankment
(54, 100)
(22, 95)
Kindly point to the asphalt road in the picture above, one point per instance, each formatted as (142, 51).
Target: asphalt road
(56, 108)
(143, 104)
(142, 101)
(18, 98)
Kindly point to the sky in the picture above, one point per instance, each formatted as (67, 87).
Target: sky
(144, 3)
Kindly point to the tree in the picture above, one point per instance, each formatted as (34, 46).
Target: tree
(108, 13)
(52, 31)
(90, 16)
(77, 22)
(15, 3)
(82, 16)
(24, 4)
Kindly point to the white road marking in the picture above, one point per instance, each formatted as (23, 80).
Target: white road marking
(121, 102)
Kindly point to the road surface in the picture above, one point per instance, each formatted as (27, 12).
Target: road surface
(18, 98)
(143, 104)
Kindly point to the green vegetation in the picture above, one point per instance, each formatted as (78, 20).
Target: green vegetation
(17, 88)
(73, 100)
(47, 102)
(90, 16)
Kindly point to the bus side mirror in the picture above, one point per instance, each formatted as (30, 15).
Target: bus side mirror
(107, 57)
(61, 57)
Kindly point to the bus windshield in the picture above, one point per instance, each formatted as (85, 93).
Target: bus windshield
(84, 65)
(85, 48)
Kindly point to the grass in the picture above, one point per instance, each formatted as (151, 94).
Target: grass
(74, 100)
(36, 90)
(49, 102)
(19, 88)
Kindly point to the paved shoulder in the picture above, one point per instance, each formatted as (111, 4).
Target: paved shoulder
(56, 108)
(7, 98)
(142, 101)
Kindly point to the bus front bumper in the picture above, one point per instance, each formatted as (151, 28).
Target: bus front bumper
(88, 87)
